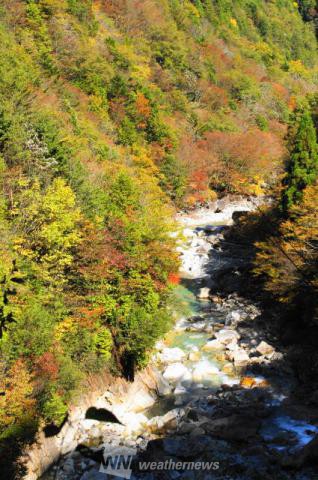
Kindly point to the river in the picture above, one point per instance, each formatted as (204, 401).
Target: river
(214, 402)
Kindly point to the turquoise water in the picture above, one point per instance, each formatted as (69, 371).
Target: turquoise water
(185, 302)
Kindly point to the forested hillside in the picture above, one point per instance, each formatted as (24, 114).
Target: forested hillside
(113, 114)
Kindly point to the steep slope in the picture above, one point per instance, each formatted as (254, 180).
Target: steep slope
(111, 114)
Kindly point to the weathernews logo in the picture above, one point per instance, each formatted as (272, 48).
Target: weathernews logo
(118, 461)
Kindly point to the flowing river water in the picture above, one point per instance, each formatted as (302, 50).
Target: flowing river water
(196, 360)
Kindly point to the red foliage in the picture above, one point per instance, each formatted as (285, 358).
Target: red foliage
(280, 91)
(174, 278)
(219, 54)
(47, 366)
(101, 252)
(212, 96)
(250, 152)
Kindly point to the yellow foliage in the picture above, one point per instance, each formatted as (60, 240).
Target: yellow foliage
(63, 328)
(297, 68)
(192, 10)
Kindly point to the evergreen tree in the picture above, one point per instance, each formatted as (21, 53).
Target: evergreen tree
(302, 168)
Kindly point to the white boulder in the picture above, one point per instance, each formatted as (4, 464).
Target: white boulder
(204, 293)
(171, 355)
(175, 372)
(213, 345)
(240, 358)
(226, 336)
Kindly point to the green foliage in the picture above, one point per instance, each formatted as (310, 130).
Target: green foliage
(31, 334)
(38, 26)
(174, 178)
(302, 167)
(54, 409)
(127, 134)
(104, 343)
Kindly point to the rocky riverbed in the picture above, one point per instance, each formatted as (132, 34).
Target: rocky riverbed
(223, 387)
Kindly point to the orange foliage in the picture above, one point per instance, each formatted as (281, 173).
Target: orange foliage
(142, 105)
(280, 91)
(251, 152)
(174, 278)
(47, 366)
(212, 96)
(219, 54)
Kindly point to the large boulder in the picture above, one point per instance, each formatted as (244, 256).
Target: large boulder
(265, 349)
(213, 345)
(163, 386)
(175, 372)
(171, 355)
(141, 401)
(234, 427)
(239, 357)
(167, 422)
(226, 336)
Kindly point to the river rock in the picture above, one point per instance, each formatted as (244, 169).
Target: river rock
(233, 345)
(238, 214)
(203, 370)
(213, 345)
(239, 357)
(171, 355)
(135, 423)
(187, 428)
(226, 336)
(187, 446)
(197, 432)
(204, 293)
(163, 386)
(234, 427)
(265, 349)
(69, 466)
(141, 401)
(93, 475)
(233, 317)
(306, 455)
(216, 299)
(179, 390)
(166, 422)
(228, 368)
(175, 372)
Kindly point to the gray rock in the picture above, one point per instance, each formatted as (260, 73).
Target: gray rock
(234, 427)
(69, 466)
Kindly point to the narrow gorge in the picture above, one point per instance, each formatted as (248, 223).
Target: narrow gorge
(215, 389)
